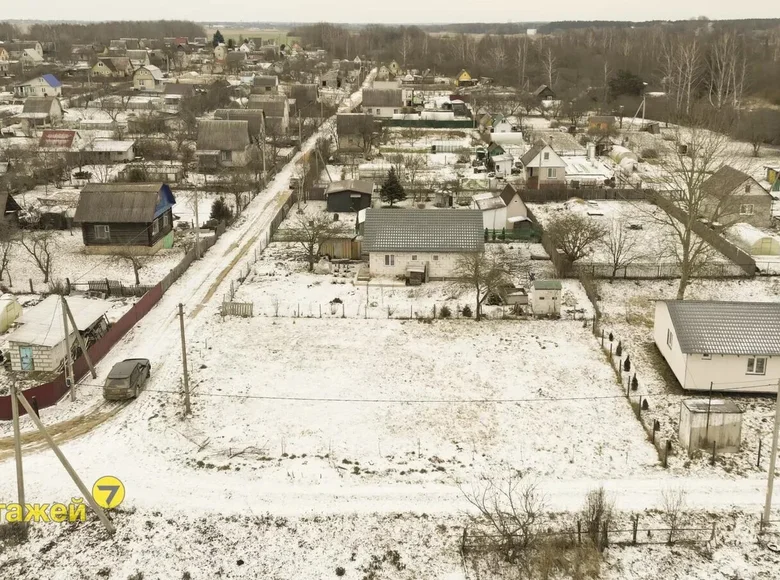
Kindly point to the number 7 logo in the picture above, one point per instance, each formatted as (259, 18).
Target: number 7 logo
(108, 492)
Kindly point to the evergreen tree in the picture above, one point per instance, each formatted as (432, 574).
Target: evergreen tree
(231, 43)
(392, 190)
(221, 211)
(218, 38)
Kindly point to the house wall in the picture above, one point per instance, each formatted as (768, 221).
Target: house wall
(383, 112)
(38, 88)
(344, 202)
(351, 142)
(516, 208)
(545, 302)
(238, 159)
(136, 234)
(494, 219)
(440, 268)
(144, 81)
(45, 358)
(729, 372)
(674, 357)
(503, 167)
(760, 199)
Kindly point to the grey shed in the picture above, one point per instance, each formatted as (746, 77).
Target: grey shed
(423, 230)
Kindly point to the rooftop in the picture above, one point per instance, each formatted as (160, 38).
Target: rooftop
(423, 230)
(42, 324)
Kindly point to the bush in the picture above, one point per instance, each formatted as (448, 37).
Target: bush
(467, 311)
(650, 153)
(221, 211)
(340, 571)
(445, 312)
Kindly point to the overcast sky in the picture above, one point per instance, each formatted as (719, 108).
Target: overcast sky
(383, 11)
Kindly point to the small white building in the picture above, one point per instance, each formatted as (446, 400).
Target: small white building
(543, 167)
(704, 422)
(502, 164)
(721, 346)
(493, 209)
(545, 298)
(406, 243)
(39, 342)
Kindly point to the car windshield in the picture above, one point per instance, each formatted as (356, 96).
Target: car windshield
(121, 382)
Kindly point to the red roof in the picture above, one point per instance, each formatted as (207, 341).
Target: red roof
(57, 138)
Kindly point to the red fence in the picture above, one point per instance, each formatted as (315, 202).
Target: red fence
(49, 393)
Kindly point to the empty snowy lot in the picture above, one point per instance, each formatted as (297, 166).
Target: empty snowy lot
(326, 399)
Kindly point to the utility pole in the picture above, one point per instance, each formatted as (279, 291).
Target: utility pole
(17, 448)
(772, 459)
(263, 147)
(68, 364)
(184, 363)
(68, 467)
(79, 338)
(197, 226)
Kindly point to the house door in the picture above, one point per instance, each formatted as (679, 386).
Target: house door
(26, 358)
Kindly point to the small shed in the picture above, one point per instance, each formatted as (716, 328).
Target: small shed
(704, 422)
(349, 196)
(545, 299)
(754, 241)
(10, 310)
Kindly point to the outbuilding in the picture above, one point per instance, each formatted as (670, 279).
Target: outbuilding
(349, 196)
(754, 241)
(708, 422)
(545, 299)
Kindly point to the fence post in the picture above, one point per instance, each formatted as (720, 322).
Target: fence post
(31, 287)
(434, 311)
(712, 535)
(67, 286)
(667, 448)
(758, 463)
(605, 538)
(712, 460)
(579, 532)
(635, 527)
(108, 288)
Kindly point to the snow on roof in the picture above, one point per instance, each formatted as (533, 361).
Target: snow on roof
(110, 145)
(42, 324)
(711, 406)
(581, 166)
(489, 203)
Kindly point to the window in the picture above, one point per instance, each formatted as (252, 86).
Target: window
(389, 260)
(747, 187)
(225, 155)
(435, 258)
(395, 111)
(414, 256)
(746, 209)
(165, 220)
(552, 172)
(546, 156)
(155, 227)
(756, 365)
(102, 233)
(669, 338)
(368, 110)
(706, 356)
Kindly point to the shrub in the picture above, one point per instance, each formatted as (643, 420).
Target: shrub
(650, 153)
(467, 311)
(221, 211)
(340, 571)
(445, 312)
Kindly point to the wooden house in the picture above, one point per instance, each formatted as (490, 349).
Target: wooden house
(223, 143)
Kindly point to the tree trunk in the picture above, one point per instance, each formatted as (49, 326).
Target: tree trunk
(685, 279)
(135, 271)
(478, 313)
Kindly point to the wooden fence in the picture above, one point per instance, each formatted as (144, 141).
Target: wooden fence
(115, 288)
(243, 309)
(558, 194)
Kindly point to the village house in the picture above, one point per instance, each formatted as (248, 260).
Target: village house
(30, 59)
(173, 93)
(355, 131)
(105, 151)
(43, 86)
(543, 167)
(382, 103)
(731, 195)
(383, 73)
(502, 164)
(265, 85)
(40, 112)
(16, 50)
(394, 68)
(117, 67)
(349, 196)
(516, 210)
(64, 144)
(139, 57)
(544, 93)
(420, 244)
(255, 118)
(602, 124)
(223, 144)
(276, 109)
(331, 80)
(134, 218)
(720, 346)
(39, 343)
(306, 97)
(463, 79)
(4, 56)
(148, 78)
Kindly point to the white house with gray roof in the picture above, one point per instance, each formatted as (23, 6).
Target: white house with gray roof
(409, 242)
(735, 346)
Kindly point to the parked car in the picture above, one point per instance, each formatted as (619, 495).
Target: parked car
(126, 379)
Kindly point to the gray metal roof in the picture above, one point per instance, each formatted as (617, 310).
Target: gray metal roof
(357, 185)
(726, 327)
(117, 203)
(423, 230)
(547, 284)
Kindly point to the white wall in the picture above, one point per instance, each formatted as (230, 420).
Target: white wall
(516, 208)
(494, 219)
(440, 268)
(544, 302)
(729, 369)
(674, 357)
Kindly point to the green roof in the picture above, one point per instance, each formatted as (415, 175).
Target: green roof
(547, 284)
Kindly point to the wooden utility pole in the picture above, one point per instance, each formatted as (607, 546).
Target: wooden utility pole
(197, 226)
(68, 364)
(184, 363)
(772, 459)
(17, 448)
(66, 464)
(79, 338)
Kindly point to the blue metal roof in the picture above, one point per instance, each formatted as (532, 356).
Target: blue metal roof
(52, 81)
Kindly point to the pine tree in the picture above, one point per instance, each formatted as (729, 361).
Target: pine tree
(218, 38)
(392, 190)
(221, 211)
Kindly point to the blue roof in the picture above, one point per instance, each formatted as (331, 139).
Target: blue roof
(52, 81)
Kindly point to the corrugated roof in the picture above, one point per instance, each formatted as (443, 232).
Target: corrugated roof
(255, 118)
(361, 185)
(219, 135)
(714, 327)
(118, 203)
(353, 123)
(42, 324)
(52, 81)
(266, 81)
(38, 104)
(423, 230)
(382, 97)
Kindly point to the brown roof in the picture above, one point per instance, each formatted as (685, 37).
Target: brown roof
(725, 180)
(118, 203)
(38, 104)
(382, 97)
(357, 185)
(57, 138)
(303, 94)
(273, 105)
(508, 194)
(353, 123)
(219, 135)
(255, 118)
(266, 81)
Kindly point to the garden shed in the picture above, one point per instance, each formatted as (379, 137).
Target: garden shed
(704, 422)
(754, 241)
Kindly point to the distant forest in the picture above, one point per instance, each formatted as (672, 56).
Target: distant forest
(66, 34)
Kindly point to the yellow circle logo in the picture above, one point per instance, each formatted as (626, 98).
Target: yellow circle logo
(108, 492)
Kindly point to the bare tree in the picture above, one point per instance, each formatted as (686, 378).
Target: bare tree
(726, 70)
(311, 231)
(413, 165)
(574, 234)
(548, 64)
(9, 235)
(135, 262)
(482, 273)
(40, 246)
(620, 246)
(672, 510)
(597, 513)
